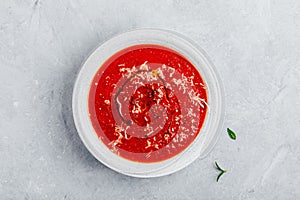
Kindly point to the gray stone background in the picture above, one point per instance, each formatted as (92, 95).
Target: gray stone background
(255, 46)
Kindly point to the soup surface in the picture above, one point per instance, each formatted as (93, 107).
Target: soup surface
(147, 103)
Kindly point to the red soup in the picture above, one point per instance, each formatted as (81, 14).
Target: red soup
(147, 103)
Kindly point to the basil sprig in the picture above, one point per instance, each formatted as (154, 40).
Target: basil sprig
(222, 171)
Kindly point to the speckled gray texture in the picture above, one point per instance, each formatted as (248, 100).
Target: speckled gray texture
(255, 46)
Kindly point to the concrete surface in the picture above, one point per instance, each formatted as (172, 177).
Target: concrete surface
(254, 44)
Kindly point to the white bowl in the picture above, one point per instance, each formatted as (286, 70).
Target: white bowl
(204, 141)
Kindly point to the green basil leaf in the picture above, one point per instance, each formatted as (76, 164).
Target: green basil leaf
(220, 175)
(231, 134)
(219, 168)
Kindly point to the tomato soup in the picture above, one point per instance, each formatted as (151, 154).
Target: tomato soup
(147, 103)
